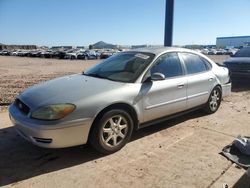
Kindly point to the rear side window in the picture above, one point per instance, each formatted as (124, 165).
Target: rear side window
(169, 65)
(194, 63)
(208, 64)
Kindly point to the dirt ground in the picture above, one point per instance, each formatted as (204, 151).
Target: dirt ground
(16, 73)
(182, 152)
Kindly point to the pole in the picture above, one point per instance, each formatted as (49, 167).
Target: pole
(169, 16)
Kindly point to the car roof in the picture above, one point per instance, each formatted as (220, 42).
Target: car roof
(160, 50)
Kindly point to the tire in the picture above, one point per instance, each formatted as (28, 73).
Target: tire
(112, 131)
(214, 100)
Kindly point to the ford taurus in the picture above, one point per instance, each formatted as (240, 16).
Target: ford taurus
(125, 92)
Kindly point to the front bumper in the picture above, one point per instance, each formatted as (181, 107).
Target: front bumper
(226, 89)
(64, 134)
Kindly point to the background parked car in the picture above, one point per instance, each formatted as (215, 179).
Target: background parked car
(231, 51)
(46, 54)
(5, 52)
(58, 54)
(87, 55)
(34, 53)
(23, 53)
(91, 54)
(14, 52)
(239, 64)
(71, 54)
(82, 55)
(211, 52)
(106, 54)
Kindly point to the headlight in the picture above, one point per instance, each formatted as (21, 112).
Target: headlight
(53, 112)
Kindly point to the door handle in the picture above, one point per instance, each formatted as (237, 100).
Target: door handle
(210, 79)
(179, 86)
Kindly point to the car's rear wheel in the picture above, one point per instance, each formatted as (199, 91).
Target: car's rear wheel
(214, 100)
(112, 131)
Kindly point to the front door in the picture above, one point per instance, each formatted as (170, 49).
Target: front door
(165, 97)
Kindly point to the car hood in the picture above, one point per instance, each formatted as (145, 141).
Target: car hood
(67, 89)
(238, 60)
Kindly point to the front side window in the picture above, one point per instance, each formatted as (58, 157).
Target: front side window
(169, 65)
(194, 63)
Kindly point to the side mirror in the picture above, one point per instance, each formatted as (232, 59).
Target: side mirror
(157, 76)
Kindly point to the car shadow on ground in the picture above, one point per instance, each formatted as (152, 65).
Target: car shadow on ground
(20, 160)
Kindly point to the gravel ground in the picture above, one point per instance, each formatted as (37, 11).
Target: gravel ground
(183, 152)
(17, 73)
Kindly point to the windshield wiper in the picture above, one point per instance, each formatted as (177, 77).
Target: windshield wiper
(97, 76)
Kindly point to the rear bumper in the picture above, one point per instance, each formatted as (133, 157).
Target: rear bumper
(226, 89)
(68, 134)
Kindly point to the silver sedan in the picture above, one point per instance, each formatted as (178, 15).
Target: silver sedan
(125, 92)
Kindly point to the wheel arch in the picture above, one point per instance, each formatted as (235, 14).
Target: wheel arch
(206, 108)
(215, 85)
(123, 106)
(219, 86)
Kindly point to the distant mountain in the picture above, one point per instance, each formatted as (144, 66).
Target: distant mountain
(101, 45)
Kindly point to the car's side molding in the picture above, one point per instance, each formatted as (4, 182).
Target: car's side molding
(197, 95)
(162, 119)
(166, 103)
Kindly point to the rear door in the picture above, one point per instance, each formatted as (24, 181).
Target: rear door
(200, 79)
(165, 97)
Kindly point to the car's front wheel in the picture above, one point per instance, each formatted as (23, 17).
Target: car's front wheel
(214, 100)
(112, 131)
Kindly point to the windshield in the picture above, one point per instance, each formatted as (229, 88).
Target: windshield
(123, 67)
(244, 52)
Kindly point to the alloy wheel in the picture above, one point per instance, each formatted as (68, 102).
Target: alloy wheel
(114, 130)
(214, 100)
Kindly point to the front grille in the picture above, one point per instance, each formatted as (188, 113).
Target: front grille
(22, 107)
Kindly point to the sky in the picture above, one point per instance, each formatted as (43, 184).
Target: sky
(123, 22)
